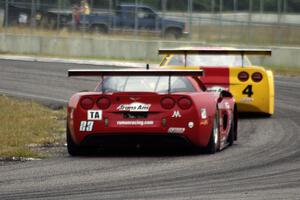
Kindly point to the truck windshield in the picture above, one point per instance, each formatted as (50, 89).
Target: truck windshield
(145, 84)
(209, 60)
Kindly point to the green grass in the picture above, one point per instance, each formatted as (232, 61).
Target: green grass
(221, 34)
(27, 122)
(247, 35)
(70, 33)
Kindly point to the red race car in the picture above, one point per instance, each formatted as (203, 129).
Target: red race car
(138, 106)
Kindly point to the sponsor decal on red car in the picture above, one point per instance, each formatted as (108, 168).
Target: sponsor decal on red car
(137, 123)
(176, 130)
(134, 107)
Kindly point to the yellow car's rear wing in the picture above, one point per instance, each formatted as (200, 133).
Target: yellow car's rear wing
(242, 52)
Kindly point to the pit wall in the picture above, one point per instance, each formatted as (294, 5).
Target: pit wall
(104, 48)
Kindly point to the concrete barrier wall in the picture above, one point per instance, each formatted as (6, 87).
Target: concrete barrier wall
(120, 49)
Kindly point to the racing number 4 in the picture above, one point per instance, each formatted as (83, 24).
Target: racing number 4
(248, 91)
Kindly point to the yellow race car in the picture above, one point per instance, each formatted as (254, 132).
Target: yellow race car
(252, 86)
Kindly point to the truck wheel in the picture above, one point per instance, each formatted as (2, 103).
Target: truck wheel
(172, 33)
(100, 29)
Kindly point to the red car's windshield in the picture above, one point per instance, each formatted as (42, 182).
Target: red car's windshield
(146, 84)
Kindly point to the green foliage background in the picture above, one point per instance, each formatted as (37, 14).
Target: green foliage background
(206, 5)
(179, 5)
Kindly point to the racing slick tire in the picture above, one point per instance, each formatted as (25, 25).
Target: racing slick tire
(230, 138)
(73, 149)
(214, 141)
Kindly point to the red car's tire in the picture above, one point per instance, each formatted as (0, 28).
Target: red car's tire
(73, 149)
(230, 138)
(214, 141)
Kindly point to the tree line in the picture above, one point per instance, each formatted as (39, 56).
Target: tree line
(182, 5)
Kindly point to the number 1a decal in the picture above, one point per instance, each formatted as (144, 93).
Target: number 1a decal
(86, 125)
(248, 91)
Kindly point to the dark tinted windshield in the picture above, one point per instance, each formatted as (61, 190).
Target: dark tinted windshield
(146, 84)
(209, 60)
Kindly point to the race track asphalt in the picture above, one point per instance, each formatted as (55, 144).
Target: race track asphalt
(263, 164)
